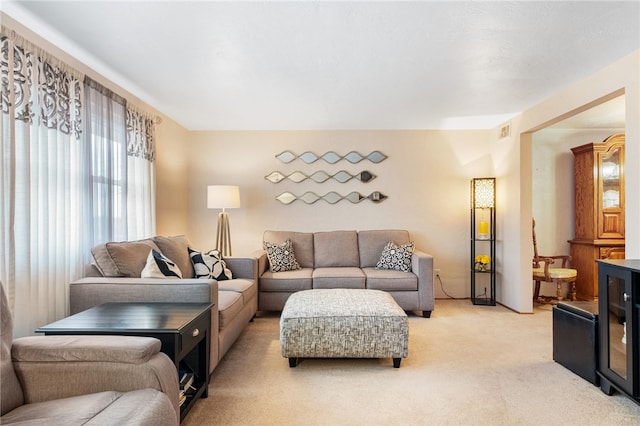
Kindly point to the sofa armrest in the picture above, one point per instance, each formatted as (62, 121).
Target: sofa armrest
(422, 266)
(243, 267)
(263, 261)
(53, 367)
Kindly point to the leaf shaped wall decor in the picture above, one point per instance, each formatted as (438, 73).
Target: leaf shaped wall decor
(331, 157)
(320, 176)
(330, 197)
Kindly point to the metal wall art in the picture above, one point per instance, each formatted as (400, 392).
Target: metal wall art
(330, 197)
(319, 177)
(331, 157)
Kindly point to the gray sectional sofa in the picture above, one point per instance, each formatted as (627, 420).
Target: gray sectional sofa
(345, 259)
(114, 276)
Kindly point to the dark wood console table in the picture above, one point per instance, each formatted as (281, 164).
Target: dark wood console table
(183, 329)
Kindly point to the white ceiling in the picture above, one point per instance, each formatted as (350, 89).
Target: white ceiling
(338, 65)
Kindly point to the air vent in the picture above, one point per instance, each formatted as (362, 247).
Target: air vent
(505, 130)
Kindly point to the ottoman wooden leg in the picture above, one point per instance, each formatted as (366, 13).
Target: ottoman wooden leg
(396, 362)
(293, 361)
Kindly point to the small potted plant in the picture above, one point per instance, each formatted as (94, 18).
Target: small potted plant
(482, 262)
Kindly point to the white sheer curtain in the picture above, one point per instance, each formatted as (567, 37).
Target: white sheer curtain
(41, 182)
(76, 170)
(121, 179)
(106, 140)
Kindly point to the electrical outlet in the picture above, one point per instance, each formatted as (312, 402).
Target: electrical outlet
(438, 273)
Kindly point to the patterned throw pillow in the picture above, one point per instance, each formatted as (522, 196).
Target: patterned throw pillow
(396, 257)
(281, 256)
(160, 266)
(210, 265)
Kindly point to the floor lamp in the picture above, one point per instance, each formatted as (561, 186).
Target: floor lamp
(223, 197)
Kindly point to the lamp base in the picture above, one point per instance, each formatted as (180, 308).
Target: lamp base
(223, 237)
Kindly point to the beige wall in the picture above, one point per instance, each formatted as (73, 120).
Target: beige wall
(426, 177)
(172, 178)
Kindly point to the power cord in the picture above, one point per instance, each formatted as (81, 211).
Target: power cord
(442, 287)
(483, 295)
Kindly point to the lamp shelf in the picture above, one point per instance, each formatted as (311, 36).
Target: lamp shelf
(484, 301)
(483, 241)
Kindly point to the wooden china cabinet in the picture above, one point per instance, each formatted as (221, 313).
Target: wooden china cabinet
(599, 210)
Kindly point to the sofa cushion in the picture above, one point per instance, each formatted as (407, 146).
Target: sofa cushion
(281, 257)
(160, 266)
(139, 407)
(210, 265)
(247, 288)
(335, 249)
(302, 244)
(372, 242)
(123, 259)
(176, 248)
(390, 280)
(230, 304)
(339, 277)
(396, 257)
(143, 406)
(286, 281)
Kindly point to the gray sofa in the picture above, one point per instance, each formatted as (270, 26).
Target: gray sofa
(235, 301)
(345, 259)
(88, 380)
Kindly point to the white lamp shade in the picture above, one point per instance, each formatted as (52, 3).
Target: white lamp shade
(223, 196)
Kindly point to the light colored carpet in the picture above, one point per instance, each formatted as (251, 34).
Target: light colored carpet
(467, 365)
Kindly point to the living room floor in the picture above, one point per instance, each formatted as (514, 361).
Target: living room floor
(467, 365)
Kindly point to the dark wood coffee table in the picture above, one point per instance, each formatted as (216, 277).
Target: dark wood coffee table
(183, 329)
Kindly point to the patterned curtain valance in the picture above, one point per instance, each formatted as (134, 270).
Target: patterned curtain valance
(56, 100)
(141, 131)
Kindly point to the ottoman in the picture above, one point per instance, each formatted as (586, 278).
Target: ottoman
(343, 323)
(575, 338)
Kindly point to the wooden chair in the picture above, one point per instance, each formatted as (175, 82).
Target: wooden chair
(542, 271)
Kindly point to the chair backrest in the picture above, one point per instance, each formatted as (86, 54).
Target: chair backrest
(11, 395)
(535, 244)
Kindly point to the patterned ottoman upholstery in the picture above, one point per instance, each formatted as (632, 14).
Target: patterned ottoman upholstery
(343, 323)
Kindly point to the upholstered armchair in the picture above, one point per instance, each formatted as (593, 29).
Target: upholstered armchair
(89, 380)
(544, 271)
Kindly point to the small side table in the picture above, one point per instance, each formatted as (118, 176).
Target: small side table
(183, 329)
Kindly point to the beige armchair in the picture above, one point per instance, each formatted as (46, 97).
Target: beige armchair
(88, 380)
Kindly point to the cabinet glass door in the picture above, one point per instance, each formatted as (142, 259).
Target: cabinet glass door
(610, 169)
(610, 206)
(617, 321)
